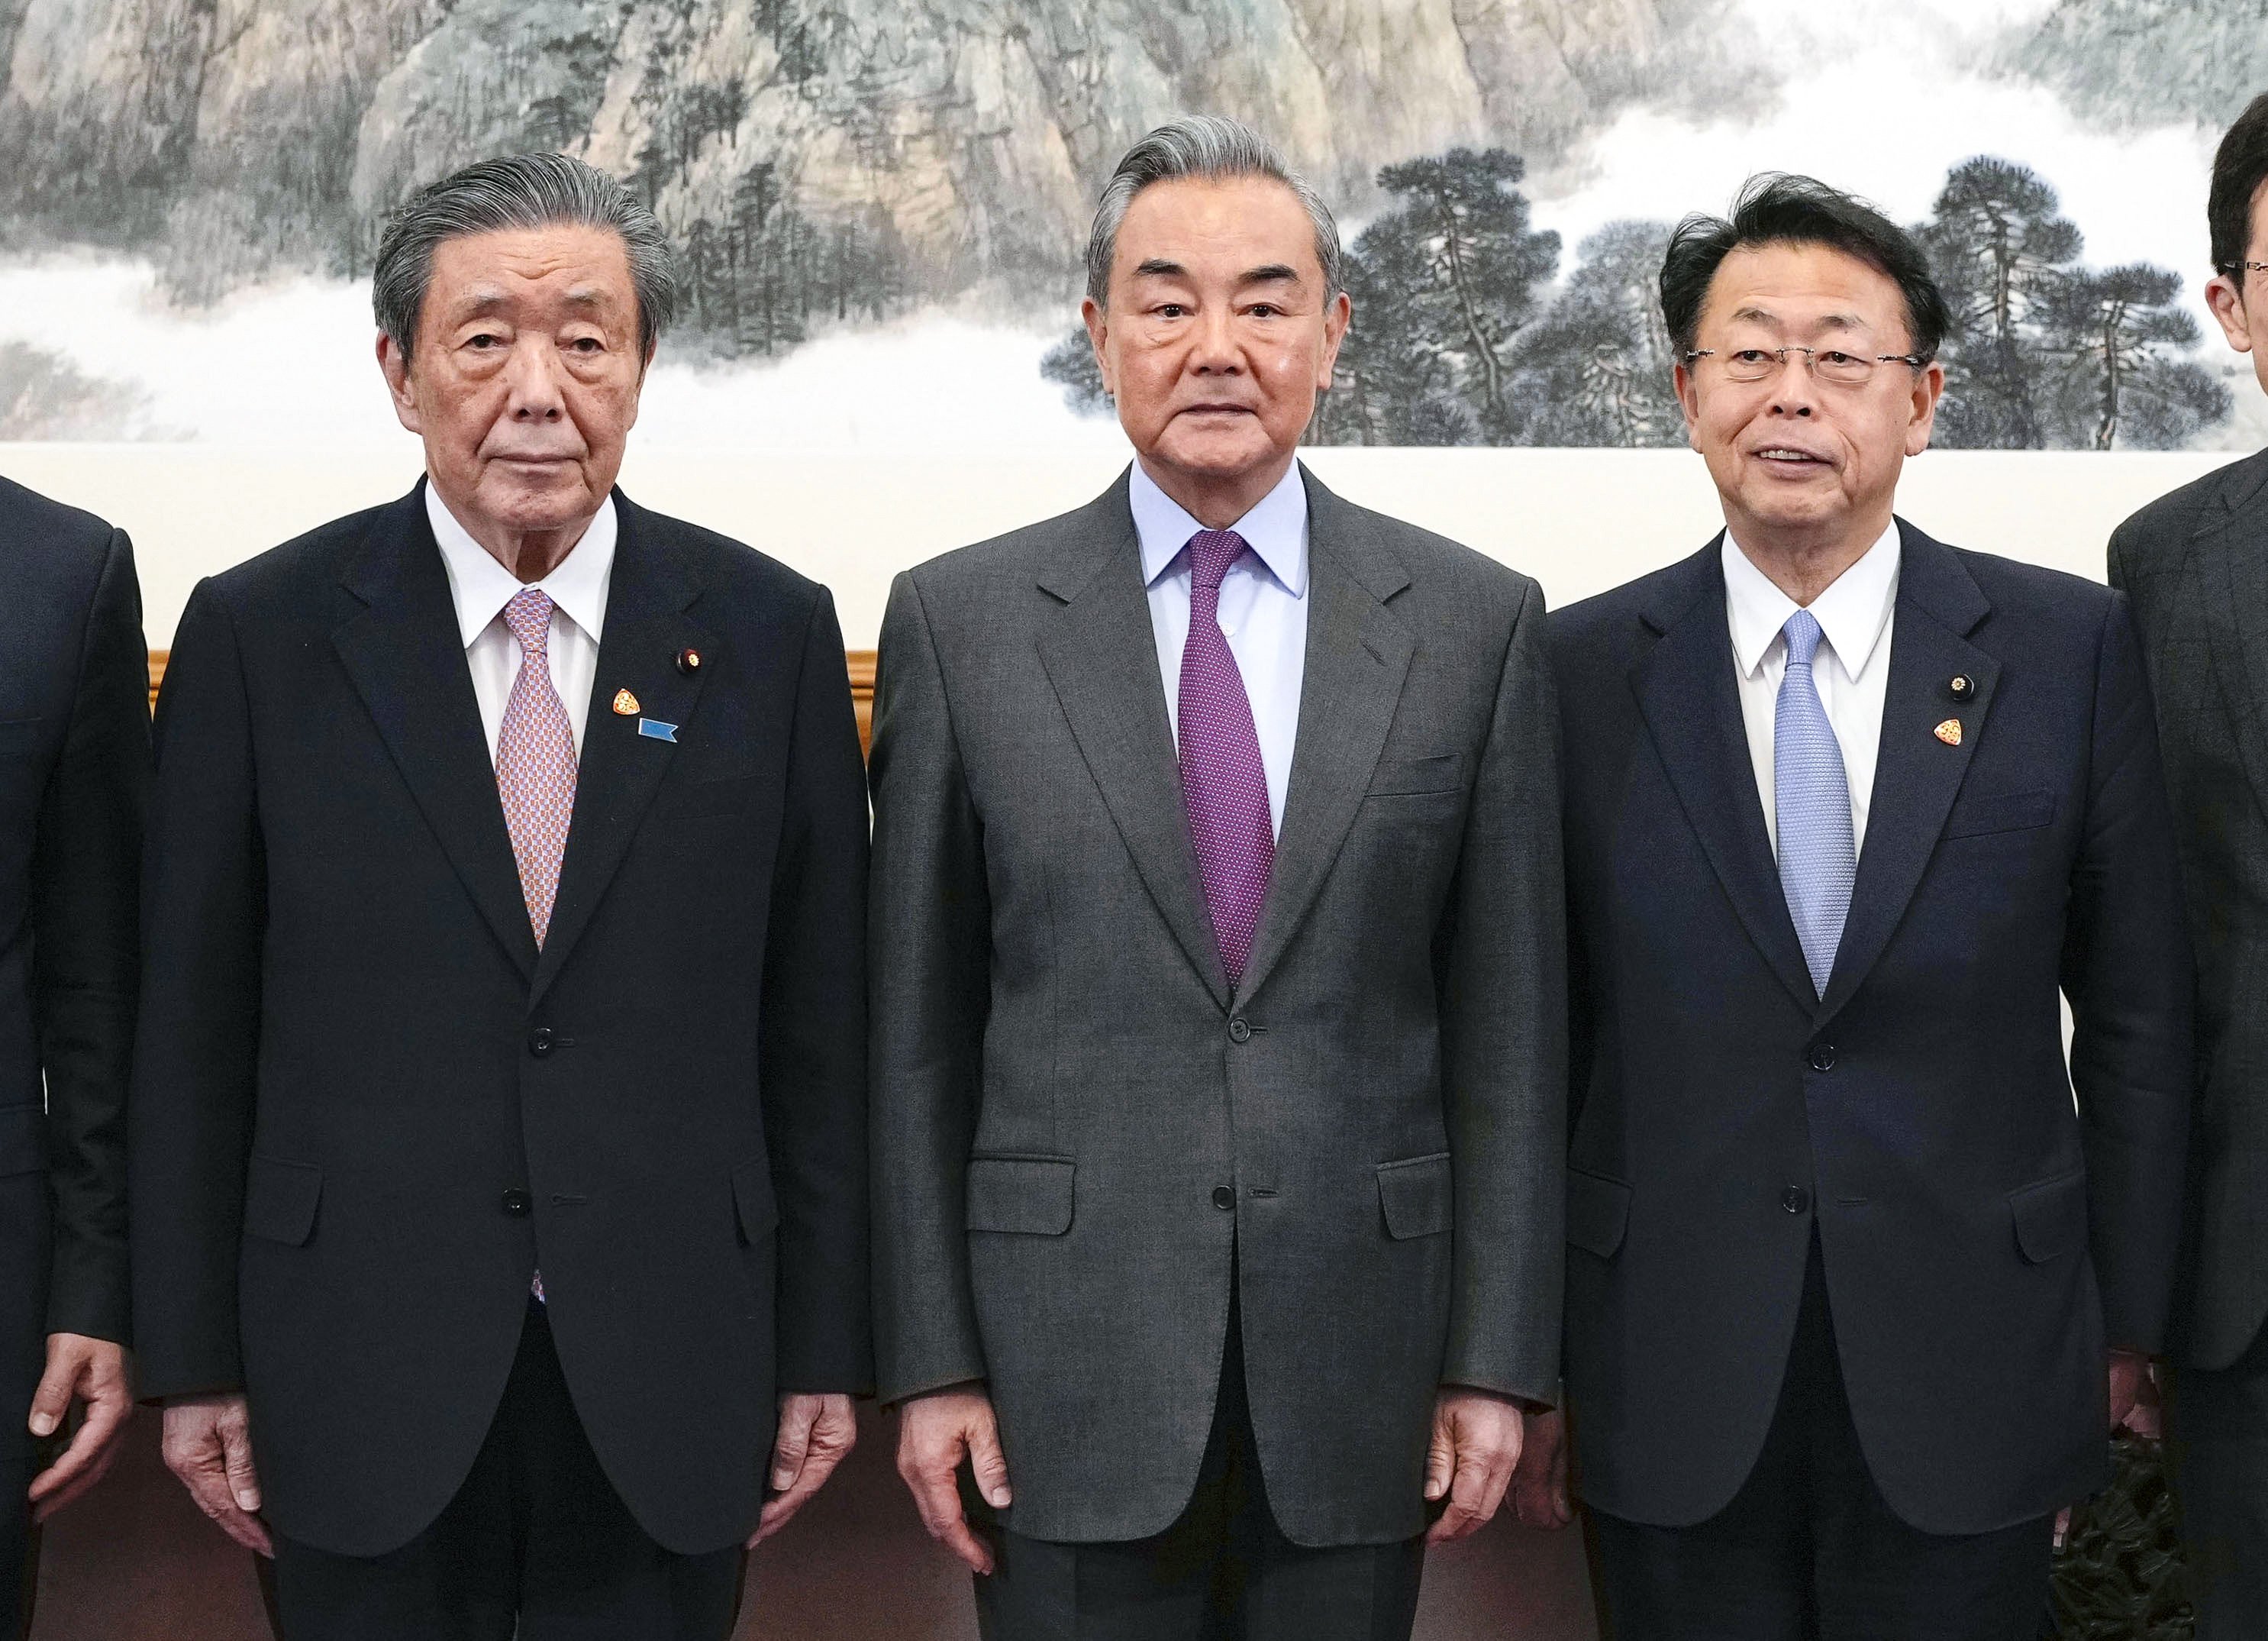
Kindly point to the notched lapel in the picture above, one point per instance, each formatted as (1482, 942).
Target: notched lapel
(1690, 700)
(403, 653)
(647, 626)
(1102, 658)
(1916, 774)
(1358, 658)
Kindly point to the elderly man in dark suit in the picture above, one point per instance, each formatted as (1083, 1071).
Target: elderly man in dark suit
(1855, 1291)
(498, 1126)
(2196, 564)
(1217, 953)
(74, 776)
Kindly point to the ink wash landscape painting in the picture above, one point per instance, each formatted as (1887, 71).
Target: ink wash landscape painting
(881, 204)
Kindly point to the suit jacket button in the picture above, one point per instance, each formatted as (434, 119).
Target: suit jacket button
(1795, 1199)
(1822, 1056)
(516, 1203)
(539, 1041)
(1240, 1030)
(1224, 1196)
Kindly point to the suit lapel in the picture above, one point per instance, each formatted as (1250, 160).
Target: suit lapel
(646, 628)
(1689, 695)
(1101, 656)
(1358, 656)
(1917, 775)
(404, 654)
(2232, 543)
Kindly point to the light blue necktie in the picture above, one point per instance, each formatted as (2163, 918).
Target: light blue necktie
(1818, 860)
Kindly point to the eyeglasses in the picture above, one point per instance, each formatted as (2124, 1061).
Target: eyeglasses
(1833, 365)
(2237, 270)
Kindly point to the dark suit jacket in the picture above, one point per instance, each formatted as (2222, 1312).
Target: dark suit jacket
(357, 1077)
(2196, 564)
(1983, 1240)
(73, 777)
(1082, 1138)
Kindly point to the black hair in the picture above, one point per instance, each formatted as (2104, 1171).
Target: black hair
(2240, 165)
(1775, 208)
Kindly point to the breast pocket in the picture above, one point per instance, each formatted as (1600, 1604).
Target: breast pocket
(1983, 814)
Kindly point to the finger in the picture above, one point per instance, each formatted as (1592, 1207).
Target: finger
(1495, 1478)
(93, 1442)
(243, 1479)
(972, 1551)
(988, 1464)
(937, 1499)
(778, 1512)
(52, 1400)
(792, 1442)
(1440, 1459)
(1467, 1489)
(78, 1487)
(249, 1531)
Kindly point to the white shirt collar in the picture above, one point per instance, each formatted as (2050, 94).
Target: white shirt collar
(481, 587)
(1275, 529)
(1852, 612)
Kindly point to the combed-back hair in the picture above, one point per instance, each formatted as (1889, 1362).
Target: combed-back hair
(2240, 165)
(518, 191)
(1778, 208)
(1215, 150)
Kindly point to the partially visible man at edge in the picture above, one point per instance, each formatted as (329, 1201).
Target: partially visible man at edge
(498, 1133)
(73, 779)
(1855, 1291)
(2196, 564)
(1218, 1014)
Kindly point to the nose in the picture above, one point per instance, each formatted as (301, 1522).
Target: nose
(532, 379)
(1215, 353)
(1792, 389)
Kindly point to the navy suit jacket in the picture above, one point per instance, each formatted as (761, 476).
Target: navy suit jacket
(366, 1108)
(1984, 1237)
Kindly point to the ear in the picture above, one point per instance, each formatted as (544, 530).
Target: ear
(1928, 389)
(1337, 317)
(1098, 337)
(2226, 297)
(1688, 400)
(396, 366)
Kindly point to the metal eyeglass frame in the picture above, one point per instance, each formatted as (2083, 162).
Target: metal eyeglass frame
(1914, 361)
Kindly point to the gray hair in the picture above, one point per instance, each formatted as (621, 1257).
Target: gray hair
(1209, 148)
(518, 191)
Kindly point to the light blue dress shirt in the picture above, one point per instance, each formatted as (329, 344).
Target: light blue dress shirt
(1264, 610)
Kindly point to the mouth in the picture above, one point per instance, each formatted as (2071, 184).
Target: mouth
(1220, 411)
(1790, 458)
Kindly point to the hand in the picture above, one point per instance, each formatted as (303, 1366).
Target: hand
(2129, 1377)
(1539, 1481)
(96, 1372)
(1476, 1438)
(208, 1444)
(935, 1432)
(816, 1433)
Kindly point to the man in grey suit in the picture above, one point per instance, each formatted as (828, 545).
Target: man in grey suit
(2195, 565)
(1219, 988)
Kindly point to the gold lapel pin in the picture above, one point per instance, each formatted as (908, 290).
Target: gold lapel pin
(1949, 732)
(626, 704)
(1963, 686)
(688, 662)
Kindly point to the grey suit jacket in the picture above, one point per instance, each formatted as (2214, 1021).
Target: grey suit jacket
(1082, 1138)
(2195, 566)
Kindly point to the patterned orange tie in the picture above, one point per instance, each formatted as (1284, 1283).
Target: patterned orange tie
(535, 761)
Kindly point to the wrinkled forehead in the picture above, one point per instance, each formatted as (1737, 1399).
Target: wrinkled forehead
(1196, 226)
(563, 270)
(1796, 292)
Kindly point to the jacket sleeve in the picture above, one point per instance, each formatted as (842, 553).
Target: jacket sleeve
(1504, 1042)
(85, 885)
(204, 912)
(2127, 971)
(931, 952)
(813, 1047)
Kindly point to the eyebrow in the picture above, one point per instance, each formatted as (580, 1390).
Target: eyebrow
(1267, 273)
(486, 300)
(1830, 321)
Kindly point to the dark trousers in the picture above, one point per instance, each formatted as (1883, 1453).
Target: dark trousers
(17, 1568)
(2217, 1431)
(1223, 1571)
(535, 1545)
(1808, 1550)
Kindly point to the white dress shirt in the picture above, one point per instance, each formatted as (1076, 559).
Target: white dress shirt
(1852, 668)
(481, 587)
(1264, 610)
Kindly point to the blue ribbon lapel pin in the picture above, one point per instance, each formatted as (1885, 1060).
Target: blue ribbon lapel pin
(658, 730)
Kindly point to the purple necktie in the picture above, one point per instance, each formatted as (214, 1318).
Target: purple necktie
(1223, 782)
